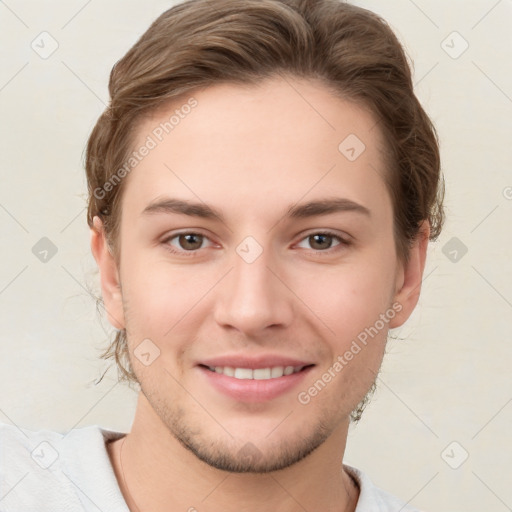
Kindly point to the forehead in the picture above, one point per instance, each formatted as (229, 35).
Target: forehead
(277, 141)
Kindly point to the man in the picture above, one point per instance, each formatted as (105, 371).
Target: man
(263, 187)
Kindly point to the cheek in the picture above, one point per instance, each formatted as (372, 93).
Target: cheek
(157, 324)
(358, 312)
(154, 304)
(165, 303)
(349, 299)
(152, 295)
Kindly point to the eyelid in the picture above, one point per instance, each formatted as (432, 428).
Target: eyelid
(344, 237)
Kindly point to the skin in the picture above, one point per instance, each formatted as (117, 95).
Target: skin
(251, 152)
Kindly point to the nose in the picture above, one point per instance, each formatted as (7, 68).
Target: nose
(254, 296)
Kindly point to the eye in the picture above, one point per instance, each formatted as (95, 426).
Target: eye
(186, 242)
(190, 242)
(322, 241)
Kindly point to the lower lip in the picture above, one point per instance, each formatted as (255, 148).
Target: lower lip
(254, 390)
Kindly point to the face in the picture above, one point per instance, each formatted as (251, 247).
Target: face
(256, 323)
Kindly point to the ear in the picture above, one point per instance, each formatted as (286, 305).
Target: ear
(110, 285)
(409, 277)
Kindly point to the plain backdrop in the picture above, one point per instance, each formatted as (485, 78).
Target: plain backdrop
(437, 432)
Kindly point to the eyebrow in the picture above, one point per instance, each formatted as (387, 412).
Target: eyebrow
(327, 206)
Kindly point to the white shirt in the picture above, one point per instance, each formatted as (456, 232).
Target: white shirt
(48, 471)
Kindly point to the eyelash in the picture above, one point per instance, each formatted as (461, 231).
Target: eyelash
(192, 253)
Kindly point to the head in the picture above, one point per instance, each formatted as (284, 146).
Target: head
(255, 108)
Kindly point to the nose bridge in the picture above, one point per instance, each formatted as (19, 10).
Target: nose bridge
(252, 297)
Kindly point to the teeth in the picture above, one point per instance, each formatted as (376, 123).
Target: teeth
(276, 372)
(230, 372)
(258, 373)
(241, 373)
(261, 373)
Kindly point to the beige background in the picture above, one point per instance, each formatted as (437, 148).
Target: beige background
(448, 380)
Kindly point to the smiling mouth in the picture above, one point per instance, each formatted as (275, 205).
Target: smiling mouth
(274, 372)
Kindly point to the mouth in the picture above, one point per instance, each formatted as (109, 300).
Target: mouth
(261, 383)
(274, 372)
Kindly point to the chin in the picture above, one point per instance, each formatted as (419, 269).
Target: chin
(251, 458)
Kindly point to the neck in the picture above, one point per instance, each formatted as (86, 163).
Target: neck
(157, 473)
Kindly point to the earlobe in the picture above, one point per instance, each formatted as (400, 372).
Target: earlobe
(409, 278)
(109, 275)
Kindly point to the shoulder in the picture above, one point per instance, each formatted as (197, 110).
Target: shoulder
(374, 499)
(24, 450)
(29, 468)
(46, 470)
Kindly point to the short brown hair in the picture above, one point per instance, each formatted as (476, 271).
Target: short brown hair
(199, 43)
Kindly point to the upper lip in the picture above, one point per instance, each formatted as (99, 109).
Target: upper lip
(253, 362)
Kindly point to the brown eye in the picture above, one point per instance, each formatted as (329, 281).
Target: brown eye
(323, 241)
(320, 241)
(190, 241)
(183, 243)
